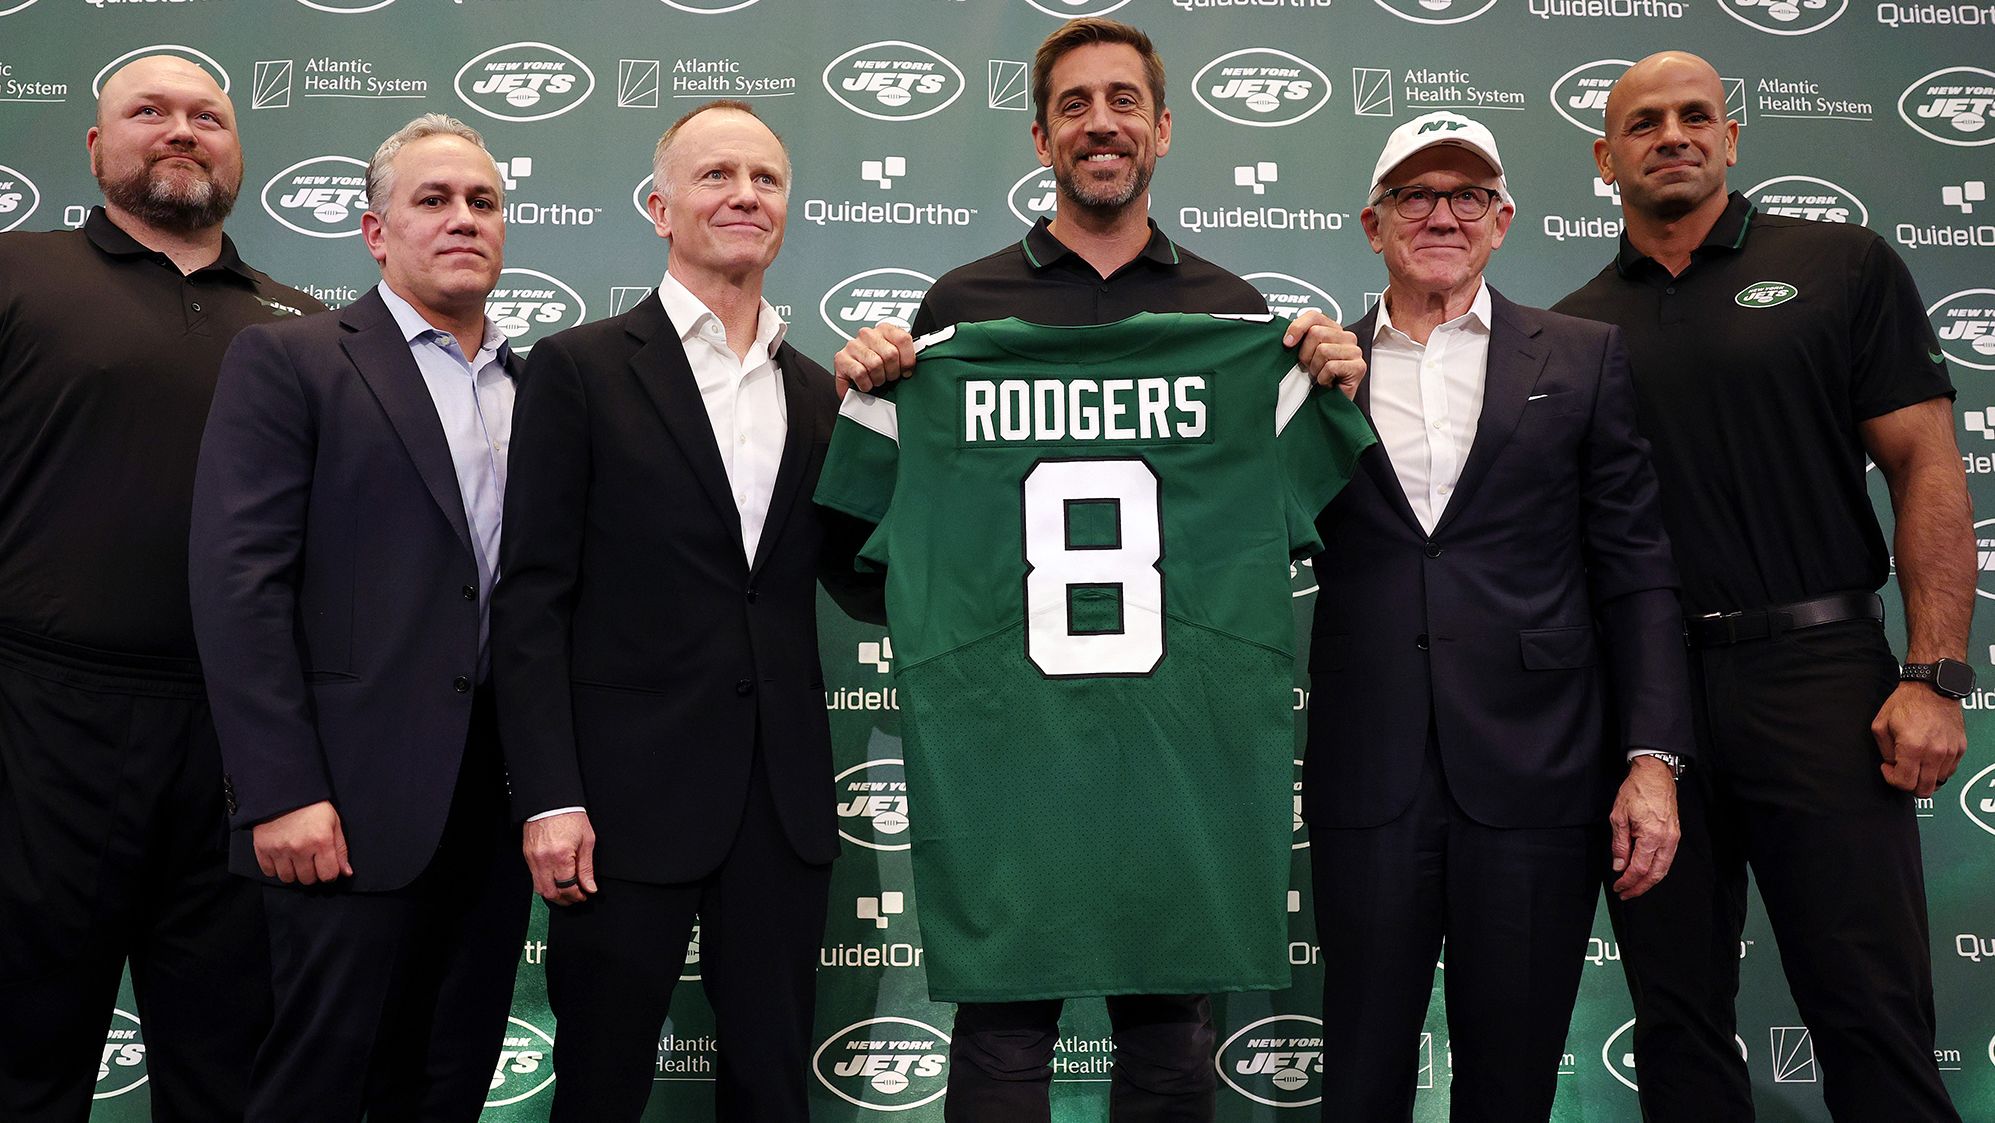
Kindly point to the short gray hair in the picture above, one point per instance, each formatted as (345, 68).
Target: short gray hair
(663, 150)
(380, 169)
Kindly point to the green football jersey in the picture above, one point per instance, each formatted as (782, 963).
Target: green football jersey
(1086, 532)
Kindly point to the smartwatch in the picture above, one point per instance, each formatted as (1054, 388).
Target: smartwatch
(1949, 677)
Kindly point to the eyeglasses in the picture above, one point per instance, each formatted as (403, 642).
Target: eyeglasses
(1415, 202)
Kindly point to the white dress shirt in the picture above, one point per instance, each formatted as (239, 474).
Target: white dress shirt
(744, 400)
(1426, 401)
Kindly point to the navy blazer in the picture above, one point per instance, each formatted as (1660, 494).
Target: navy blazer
(334, 588)
(1537, 628)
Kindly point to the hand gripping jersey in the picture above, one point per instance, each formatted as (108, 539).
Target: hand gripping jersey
(1086, 533)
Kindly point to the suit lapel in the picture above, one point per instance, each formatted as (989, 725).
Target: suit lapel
(381, 355)
(799, 436)
(1516, 357)
(661, 368)
(1377, 461)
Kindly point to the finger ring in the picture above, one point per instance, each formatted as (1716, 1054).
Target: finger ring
(567, 882)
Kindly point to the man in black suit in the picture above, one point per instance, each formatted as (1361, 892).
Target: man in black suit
(655, 644)
(1496, 648)
(344, 549)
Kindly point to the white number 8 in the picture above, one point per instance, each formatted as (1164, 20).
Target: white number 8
(1128, 565)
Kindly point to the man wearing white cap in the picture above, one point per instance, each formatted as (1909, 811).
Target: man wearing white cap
(1499, 685)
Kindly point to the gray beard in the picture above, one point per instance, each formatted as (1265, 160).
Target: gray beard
(1104, 198)
(156, 202)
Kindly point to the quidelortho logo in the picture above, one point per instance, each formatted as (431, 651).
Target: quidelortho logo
(199, 58)
(524, 82)
(1033, 196)
(122, 1066)
(1580, 94)
(865, 299)
(1289, 297)
(528, 306)
(320, 197)
(1436, 11)
(1953, 106)
(1262, 87)
(525, 1067)
(1276, 1061)
(1785, 17)
(872, 804)
(1804, 196)
(886, 1064)
(894, 80)
(1965, 323)
(1250, 206)
(346, 7)
(1977, 796)
(18, 198)
(1619, 1055)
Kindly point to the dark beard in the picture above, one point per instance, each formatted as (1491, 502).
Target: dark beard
(156, 203)
(1077, 190)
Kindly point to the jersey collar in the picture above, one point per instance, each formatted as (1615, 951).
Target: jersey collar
(1727, 235)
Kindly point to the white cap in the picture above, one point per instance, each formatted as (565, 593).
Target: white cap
(1425, 132)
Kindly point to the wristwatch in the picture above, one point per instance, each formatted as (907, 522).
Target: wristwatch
(1673, 760)
(1949, 677)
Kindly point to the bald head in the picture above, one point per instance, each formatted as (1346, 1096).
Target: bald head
(164, 148)
(1667, 141)
(1664, 68)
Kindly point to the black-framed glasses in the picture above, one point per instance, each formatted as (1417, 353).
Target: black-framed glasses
(1415, 202)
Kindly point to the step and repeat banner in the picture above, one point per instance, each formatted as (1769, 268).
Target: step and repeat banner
(908, 121)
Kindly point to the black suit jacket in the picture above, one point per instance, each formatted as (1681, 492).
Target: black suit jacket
(1537, 626)
(334, 588)
(641, 658)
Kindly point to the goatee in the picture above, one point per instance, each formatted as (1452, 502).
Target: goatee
(159, 201)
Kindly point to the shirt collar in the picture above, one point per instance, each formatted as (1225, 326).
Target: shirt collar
(1728, 234)
(689, 312)
(414, 327)
(112, 239)
(1043, 249)
(1479, 312)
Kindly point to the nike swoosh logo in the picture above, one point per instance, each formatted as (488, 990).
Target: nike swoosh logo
(1535, 397)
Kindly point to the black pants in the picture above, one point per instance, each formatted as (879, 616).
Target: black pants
(614, 959)
(1001, 1060)
(1514, 907)
(1787, 781)
(395, 1003)
(113, 847)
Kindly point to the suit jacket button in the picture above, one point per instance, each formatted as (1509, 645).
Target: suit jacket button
(744, 687)
(1433, 549)
(461, 684)
(751, 596)
(470, 592)
(1420, 641)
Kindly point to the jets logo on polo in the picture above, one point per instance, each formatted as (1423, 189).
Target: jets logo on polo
(709, 7)
(894, 80)
(199, 58)
(1977, 796)
(528, 306)
(1261, 86)
(1580, 94)
(1984, 557)
(1618, 1053)
(1965, 323)
(886, 1064)
(321, 197)
(1953, 106)
(525, 82)
(1289, 297)
(18, 198)
(525, 1066)
(346, 7)
(1764, 294)
(1032, 196)
(1276, 1061)
(1072, 9)
(1804, 196)
(872, 804)
(864, 299)
(121, 1068)
(1436, 11)
(1785, 17)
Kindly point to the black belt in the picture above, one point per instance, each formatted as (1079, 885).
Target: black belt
(1719, 628)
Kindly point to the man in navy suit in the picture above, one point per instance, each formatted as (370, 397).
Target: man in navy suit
(344, 551)
(1496, 662)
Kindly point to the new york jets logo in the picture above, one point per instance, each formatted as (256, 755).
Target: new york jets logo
(121, 1068)
(1977, 798)
(1580, 94)
(865, 299)
(1619, 1057)
(1262, 87)
(18, 198)
(199, 58)
(893, 80)
(709, 7)
(1785, 17)
(1984, 556)
(1805, 196)
(525, 1067)
(1073, 9)
(1276, 1061)
(1953, 106)
(1965, 324)
(320, 197)
(886, 1064)
(1033, 195)
(524, 82)
(1764, 294)
(528, 306)
(1289, 297)
(1436, 11)
(872, 804)
(7, 9)
(345, 7)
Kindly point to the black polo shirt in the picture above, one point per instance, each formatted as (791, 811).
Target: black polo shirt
(108, 357)
(1040, 280)
(1753, 369)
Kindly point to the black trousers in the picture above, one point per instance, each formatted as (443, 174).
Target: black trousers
(614, 960)
(1787, 782)
(394, 1004)
(113, 847)
(1001, 1060)
(1514, 907)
